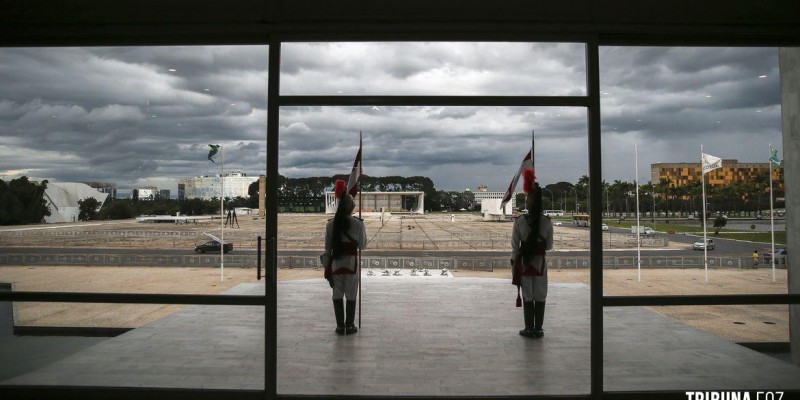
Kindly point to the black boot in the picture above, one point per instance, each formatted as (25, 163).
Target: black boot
(528, 311)
(338, 311)
(539, 318)
(350, 327)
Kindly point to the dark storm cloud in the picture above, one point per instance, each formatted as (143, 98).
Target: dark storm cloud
(145, 115)
(128, 115)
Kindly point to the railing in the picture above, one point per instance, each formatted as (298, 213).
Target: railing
(285, 261)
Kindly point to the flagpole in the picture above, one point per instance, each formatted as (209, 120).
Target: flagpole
(638, 223)
(222, 213)
(771, 214)
(360, 206)
(533, 157)
(704, 219)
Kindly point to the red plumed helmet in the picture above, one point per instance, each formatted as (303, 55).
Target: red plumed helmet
(339, 188)
(528, 180)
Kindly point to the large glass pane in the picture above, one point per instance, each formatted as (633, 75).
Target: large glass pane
(434, 68)
(665, 106)
(436, 298)
(113, 143)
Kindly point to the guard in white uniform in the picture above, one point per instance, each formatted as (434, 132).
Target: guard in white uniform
(531, 238)
(344, 237)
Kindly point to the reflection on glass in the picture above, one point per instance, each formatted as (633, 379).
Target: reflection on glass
(437, 68)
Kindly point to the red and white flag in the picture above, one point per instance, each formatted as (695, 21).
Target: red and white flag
(527, 163)
(352, 182)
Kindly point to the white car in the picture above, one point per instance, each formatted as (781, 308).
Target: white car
(780, 257)
(557, 223)
(699, 244)
(604, 227)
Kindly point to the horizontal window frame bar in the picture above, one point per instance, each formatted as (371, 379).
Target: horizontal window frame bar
(417, 397)
(681, 394)
(176, 33)
(134, 298)
(700, 300)
(124, 393)
(454, 101)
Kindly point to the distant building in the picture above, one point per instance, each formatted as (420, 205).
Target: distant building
(103, 187)
(145, 194)
(164, 194)
(490, 201)
(395, 202)
(208, 187)
(732, 171)
(62, 200)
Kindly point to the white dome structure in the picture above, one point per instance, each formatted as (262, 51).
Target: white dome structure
(62, 198)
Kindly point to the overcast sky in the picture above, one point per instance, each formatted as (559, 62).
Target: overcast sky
(144, 116)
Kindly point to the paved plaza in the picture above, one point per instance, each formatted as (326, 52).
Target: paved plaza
(445, 336)
(430, 232)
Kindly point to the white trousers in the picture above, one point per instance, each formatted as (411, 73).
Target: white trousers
(345, 285)
(534, 288)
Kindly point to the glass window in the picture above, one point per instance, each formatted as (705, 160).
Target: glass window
(436, 264)
(107, 187)
(433, 68)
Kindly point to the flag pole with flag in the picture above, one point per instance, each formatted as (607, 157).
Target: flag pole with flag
(774, 164)
(638, 222)
(211, 153)
(708, 163)
(353, 187)
(527, 162)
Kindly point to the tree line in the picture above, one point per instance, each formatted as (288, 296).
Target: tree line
(311, 190)
(23, 201)
(620, 196)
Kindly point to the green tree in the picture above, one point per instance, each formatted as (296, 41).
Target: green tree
(87, 209)
(252, 193)
(719, 223)
(22, 202)
(11, 210)
(119, 209)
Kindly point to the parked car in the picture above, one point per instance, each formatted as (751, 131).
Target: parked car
(699, 244)
(780, 257)
(557, 223)
(212, 247)
(604, 227)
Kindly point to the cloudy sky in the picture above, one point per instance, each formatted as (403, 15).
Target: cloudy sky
(143, 116)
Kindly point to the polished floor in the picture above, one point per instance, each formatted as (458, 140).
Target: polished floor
(438, 336)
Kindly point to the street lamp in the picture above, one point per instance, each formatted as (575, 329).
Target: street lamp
(575, 191)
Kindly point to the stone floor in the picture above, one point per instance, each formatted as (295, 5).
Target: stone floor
(455, 336)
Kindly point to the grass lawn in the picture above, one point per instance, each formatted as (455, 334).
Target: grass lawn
(762, 237)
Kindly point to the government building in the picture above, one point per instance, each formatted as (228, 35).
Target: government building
(732, 172)
(206, 187)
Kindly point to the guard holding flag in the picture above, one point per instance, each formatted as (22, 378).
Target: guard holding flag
(531, 238)
(345, 235)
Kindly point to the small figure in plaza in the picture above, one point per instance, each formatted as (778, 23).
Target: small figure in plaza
(532, 236)
(344, 236)
(755, 258)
